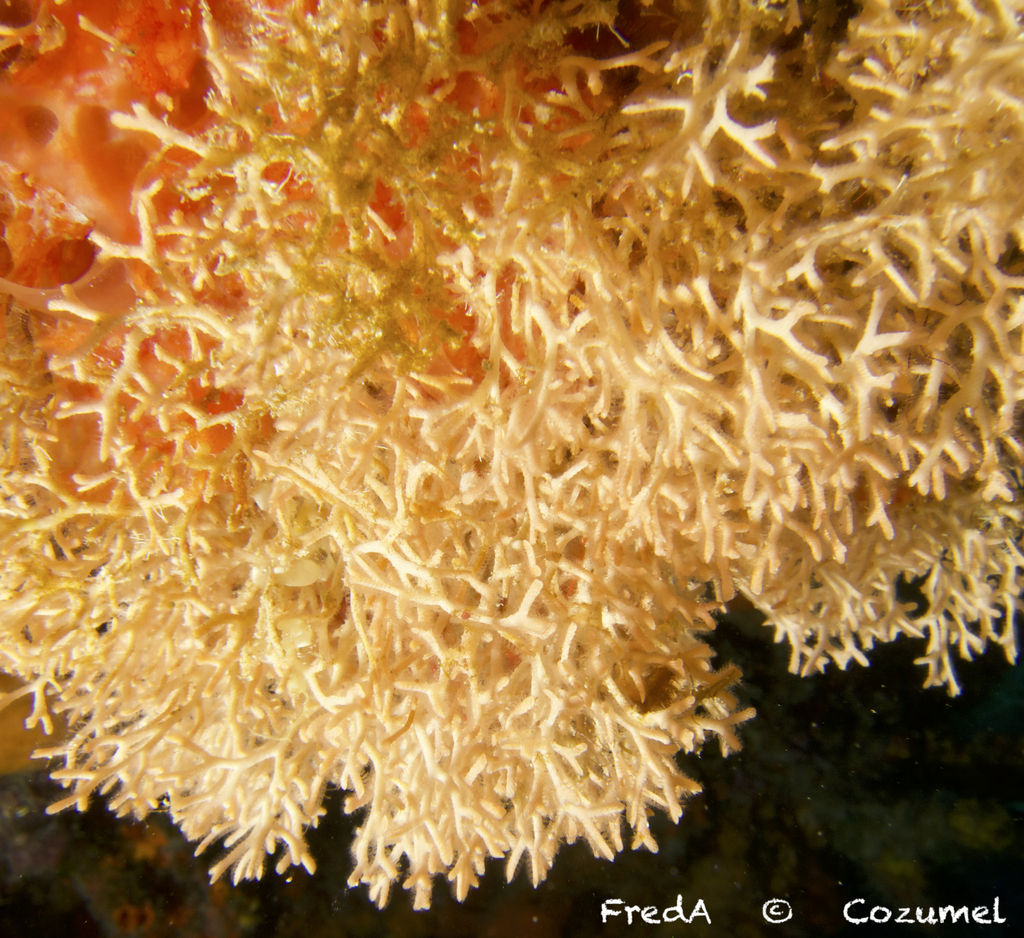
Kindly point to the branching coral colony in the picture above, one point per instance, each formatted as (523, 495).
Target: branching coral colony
(445, 367)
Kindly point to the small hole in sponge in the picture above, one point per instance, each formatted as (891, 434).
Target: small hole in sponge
(40, 123)
(15, 12)
(6, 260)
(66, 262)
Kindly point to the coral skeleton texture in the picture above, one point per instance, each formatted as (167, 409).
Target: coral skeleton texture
(443, 368)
